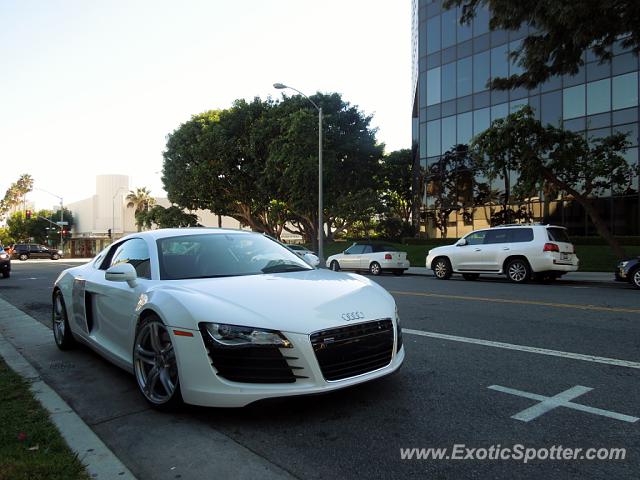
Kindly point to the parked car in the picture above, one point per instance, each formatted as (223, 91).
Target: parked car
(24, 251)
(299, 250)
(374, 257)
(224, 318)
(629, 271)
(517, 251)
(5, 264)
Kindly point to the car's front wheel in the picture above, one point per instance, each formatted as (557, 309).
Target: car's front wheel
(155, 364)
(518, 270)
(55, 256)
(334, 265)
(442, 268)
(61, 330)
(635, 278)
(23, 256)
(375, 268)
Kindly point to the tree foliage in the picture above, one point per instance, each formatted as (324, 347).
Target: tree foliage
(172, 217)
(561, 31)
(397, 174)
(15, 194)
(544, 156)
(40, 228)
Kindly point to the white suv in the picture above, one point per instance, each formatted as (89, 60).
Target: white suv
(517, 251)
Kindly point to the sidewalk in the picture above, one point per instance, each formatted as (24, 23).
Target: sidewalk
(601, 277)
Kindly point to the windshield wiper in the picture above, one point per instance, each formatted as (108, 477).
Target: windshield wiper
(280, 268)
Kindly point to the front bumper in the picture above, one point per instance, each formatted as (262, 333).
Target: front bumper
(201, 385)
(5, 265)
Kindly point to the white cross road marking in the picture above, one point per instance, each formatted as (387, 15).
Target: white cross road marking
(524, 348)
(562, 399)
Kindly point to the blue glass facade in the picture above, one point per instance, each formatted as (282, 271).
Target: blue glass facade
(452, 103)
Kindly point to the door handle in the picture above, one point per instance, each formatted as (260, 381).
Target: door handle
(478, 249)
(506, 248)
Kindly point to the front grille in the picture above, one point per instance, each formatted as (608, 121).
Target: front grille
(352, 350)
(250, 364)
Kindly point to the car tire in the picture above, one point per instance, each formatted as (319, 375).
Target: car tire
(60, 323)
(23, 256)
(442, 268)
(334, 265)
(375, 268)
(634, 278)
(518, 270)
(398, 271)
(55, 256)
(471, 276)
(155, 365)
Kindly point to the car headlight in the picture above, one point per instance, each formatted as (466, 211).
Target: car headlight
(398, 331)
(4, 256)
(235, 336)
(59, 252)
(623, 264)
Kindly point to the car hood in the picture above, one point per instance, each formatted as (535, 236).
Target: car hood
(299, 302)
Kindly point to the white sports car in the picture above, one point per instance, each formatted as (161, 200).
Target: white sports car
(224, 318)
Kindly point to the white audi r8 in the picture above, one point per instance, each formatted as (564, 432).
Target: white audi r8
(224, 318)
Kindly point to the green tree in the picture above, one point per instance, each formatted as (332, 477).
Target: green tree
(16, 193)
(172, 217)
(562, 31)
(547, 155)
(40, 228)
(140, 200)
(397, 171)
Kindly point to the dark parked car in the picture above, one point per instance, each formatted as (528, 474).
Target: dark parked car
(24, 251)
(629, 271)
(5, 263)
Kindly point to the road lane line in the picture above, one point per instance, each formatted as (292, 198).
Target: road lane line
(518, 302)
(523, 348)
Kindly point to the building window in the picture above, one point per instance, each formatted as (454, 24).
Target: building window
(481, 22)
(449, 81)
(449, 28)
(423, 140)
(481, 71)
(500, 61)
(433, 34)
(516, 105)
(433, 138)
(433, 86)
(499, 111)
(465, 127)
(481, 120)
(514, 68)
(448, 133)
(625, 91)
(573, 102)
(464, 31)
(465, 72)
(599, 96)
(551, 108)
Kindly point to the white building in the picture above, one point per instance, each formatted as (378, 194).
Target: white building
(107, 210)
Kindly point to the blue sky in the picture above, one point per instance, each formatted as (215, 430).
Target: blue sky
(93, 87)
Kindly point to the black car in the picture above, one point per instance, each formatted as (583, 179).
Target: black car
(24, 251)
(629, 271)
(5, 263)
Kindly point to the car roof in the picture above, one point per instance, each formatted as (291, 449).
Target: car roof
(177, 232)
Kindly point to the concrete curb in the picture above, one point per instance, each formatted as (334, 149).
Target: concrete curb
(98, 459)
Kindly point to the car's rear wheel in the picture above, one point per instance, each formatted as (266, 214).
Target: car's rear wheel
(470, 276)
(61, 330)
(334, 265)
(398, 271)
(155, 364)
(442, 268)
(518, 271)
(55, 256)
(635, 278)
(375, 268)
(23, 256)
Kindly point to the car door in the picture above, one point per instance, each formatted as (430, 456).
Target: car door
(469, 256)
(495, 249)
(366, 257)
(351, 257)
(34, 251)
(113, 304)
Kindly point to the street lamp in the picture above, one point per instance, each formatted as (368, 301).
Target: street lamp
(281, 86)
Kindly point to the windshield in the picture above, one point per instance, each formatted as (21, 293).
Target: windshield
(224, 255)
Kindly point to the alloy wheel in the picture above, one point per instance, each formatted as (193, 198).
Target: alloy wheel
(517, 271)
(375, 269)
(58, 319)
(636, 278)
(155, 363)
(441, 269)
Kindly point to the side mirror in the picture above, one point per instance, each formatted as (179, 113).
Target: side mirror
(461, 243)
(123, 272)
(311, 259)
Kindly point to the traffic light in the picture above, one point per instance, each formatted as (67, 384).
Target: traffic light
(109, 233)
(28, 214)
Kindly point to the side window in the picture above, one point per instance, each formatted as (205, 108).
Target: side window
(520, 235)
(367, 249)
(136, 253)
(476, 238)
(499, 235)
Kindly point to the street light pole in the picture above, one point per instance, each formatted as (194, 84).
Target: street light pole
(281, 86)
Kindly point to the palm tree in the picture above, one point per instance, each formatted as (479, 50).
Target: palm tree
(141, 200)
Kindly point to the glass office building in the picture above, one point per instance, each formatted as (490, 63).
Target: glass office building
(452, 64)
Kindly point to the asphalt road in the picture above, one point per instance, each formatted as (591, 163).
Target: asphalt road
(535, 339)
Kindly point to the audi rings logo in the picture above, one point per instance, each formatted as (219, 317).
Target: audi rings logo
(351, 316)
